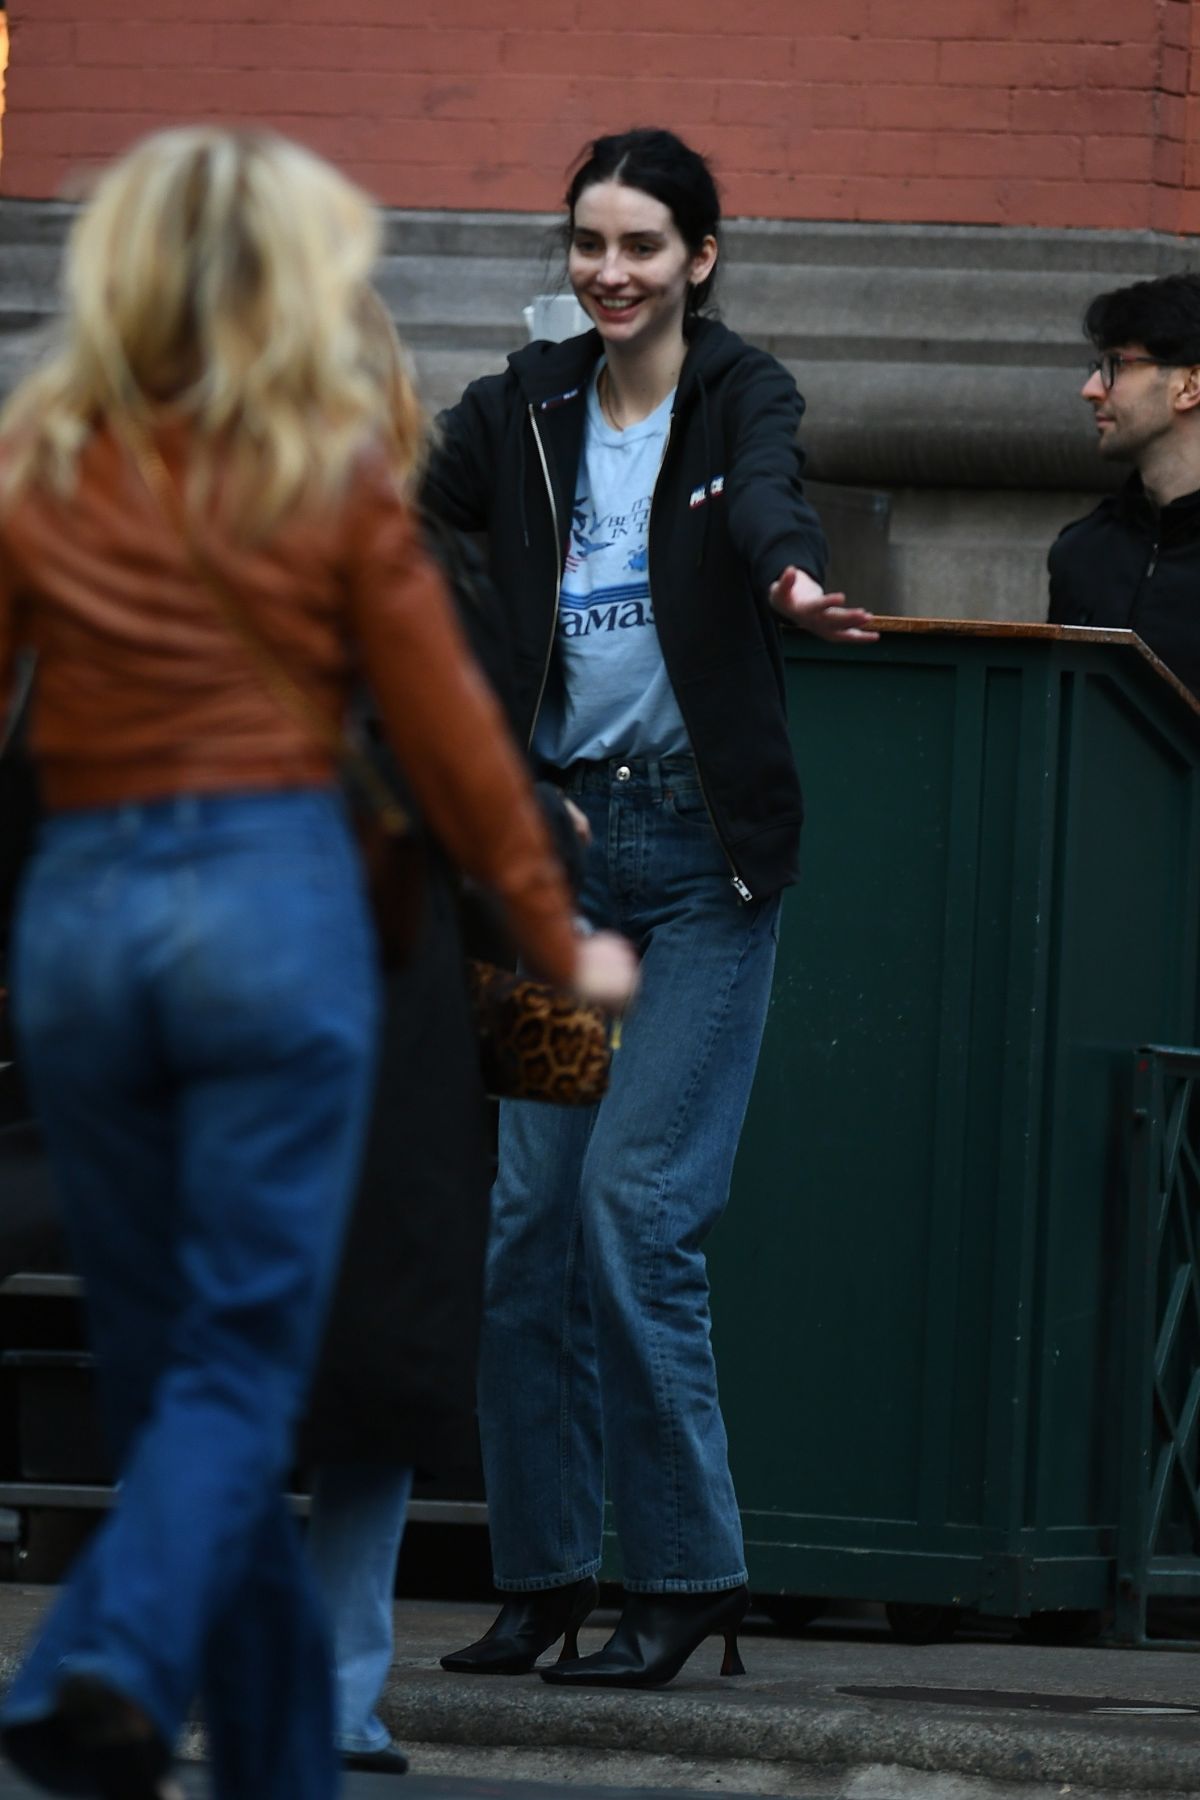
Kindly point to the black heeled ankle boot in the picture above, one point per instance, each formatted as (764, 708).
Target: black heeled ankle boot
(527, 1624)
(655, 1635)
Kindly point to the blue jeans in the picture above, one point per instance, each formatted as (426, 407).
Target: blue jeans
(355, 1529)
(596, 1353)
(196, 1000)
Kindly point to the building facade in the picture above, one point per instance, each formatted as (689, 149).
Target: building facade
(1059, 113)
(924, 194)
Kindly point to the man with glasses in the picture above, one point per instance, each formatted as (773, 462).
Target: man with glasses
(1135, 561)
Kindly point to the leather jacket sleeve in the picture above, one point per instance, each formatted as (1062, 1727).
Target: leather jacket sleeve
(446, 727)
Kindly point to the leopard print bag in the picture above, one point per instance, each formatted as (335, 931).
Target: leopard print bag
(537, 1042)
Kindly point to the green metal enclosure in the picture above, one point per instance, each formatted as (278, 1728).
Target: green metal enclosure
(919, 1287)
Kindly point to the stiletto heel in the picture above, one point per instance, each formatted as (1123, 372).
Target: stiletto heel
(570, 1644)
(655, 1636)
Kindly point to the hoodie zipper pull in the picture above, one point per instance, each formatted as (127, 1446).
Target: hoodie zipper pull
(740, 888)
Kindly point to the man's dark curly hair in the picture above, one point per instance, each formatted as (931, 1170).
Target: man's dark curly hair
(1163, 314)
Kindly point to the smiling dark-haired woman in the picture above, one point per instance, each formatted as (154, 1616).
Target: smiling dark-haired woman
(640, 486)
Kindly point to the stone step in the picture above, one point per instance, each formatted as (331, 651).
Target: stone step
(948, 355)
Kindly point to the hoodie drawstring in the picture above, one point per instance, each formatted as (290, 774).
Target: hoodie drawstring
(521, 465)
(708, 468)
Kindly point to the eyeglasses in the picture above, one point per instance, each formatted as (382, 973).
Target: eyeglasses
(1109, 366)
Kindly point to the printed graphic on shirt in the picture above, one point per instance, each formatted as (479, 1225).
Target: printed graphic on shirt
(620, 540)
(608, 691)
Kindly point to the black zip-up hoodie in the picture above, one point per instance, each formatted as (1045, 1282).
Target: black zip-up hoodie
(728, 516)
(1135, 566)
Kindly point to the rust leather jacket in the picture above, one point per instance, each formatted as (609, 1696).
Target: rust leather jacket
(144, 691)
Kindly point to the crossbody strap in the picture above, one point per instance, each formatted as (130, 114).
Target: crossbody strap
(279, 681)
(18, 703)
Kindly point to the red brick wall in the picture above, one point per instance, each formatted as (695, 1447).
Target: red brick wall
(1019, 112)
(1188, 218)
(3, 71)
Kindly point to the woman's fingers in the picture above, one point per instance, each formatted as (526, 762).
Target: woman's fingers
(802, 601)
(579, 820)
(839, 622)
(606, 970)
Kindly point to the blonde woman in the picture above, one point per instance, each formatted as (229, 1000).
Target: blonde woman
(194, 972)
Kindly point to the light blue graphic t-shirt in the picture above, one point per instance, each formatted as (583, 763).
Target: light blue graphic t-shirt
(609, 693)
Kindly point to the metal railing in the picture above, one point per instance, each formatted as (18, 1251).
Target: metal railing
(1158, 1538)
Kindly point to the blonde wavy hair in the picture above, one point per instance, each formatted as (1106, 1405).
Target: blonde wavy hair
(223, 276)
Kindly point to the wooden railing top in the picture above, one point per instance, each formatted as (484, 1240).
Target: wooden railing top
(1003, 628)
(1008, 628)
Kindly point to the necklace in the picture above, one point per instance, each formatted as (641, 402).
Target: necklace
(604, 394)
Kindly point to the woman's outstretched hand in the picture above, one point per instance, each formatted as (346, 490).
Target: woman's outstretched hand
(803, 602)
(606, 971)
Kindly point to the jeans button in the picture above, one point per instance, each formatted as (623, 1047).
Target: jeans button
(624, 772)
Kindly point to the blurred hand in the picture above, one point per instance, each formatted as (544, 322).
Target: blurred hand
(579, 819)
(803, 602)
(606, 971)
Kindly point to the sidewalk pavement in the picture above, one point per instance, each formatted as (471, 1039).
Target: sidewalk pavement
(843, 1712)
(193, 1780)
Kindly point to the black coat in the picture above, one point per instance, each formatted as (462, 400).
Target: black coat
(728, 516)
(396, 1376)
(396, 1379)
(1134, 566)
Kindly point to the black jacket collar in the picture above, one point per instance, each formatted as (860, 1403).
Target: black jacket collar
(1179, 518)
(550, 374)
